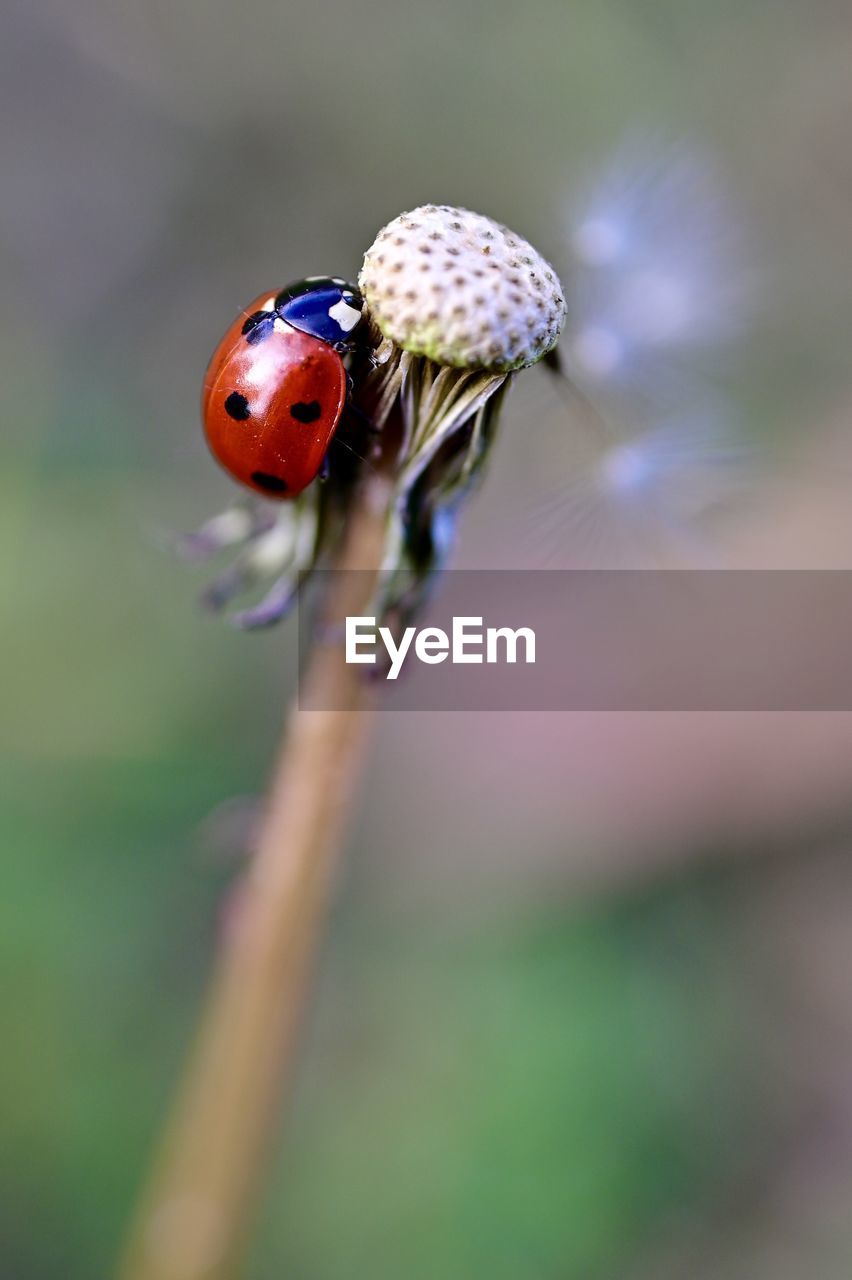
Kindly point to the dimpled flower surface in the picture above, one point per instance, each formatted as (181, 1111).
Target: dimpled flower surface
(462, 290)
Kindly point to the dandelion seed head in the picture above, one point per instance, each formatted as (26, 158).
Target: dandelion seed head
(660, 261)
(462, 290)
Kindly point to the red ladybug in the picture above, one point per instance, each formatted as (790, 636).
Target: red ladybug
(276, 387)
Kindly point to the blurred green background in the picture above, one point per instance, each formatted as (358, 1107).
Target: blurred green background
(584, 1009)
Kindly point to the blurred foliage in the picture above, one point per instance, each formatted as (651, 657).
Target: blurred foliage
(509, 1097)
(480, 1094)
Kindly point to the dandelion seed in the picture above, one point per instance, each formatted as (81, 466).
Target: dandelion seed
(646, 499)
(660, 264)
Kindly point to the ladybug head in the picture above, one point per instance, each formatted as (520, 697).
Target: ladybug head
(326, 307)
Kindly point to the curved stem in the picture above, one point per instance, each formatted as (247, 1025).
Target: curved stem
(194, 1217)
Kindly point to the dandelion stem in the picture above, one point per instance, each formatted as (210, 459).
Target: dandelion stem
(194, 1218)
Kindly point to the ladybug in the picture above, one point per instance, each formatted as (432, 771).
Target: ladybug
(276, 387)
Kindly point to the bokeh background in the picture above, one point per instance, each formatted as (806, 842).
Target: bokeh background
(585, 1008)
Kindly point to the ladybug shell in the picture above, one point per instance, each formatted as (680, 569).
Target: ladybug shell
(272, 399)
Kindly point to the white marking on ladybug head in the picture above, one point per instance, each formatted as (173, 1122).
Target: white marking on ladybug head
(345, 316)
(279, 325)
(269, 305)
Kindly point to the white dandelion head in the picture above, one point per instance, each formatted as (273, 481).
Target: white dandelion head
(462, 290)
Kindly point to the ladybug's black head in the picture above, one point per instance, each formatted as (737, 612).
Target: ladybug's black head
(325, 306)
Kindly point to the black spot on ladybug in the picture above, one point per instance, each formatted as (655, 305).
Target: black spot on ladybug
(258, 326)
(305, 412)
(237, 407)
(272, 484)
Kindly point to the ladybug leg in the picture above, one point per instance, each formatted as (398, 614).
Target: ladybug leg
(355, 410)
(324, 470)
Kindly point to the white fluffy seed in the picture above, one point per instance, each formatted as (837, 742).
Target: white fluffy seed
(462, 290)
